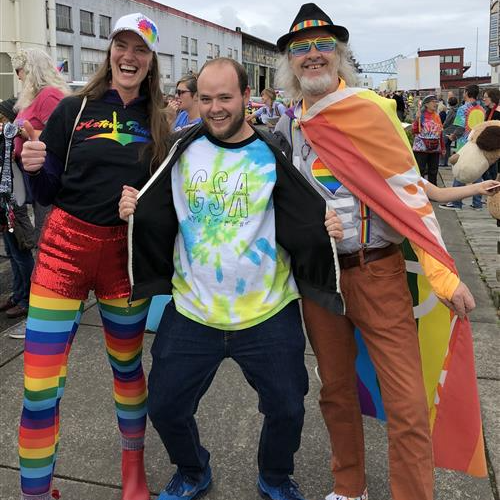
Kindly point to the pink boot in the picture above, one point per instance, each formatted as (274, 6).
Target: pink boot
(134, 485)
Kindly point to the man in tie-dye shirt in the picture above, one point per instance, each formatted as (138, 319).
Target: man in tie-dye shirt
(234, 294)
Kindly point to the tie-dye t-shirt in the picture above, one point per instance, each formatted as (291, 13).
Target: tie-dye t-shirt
(229, 271)
(468, 116)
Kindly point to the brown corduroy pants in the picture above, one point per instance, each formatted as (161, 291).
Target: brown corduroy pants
(379, 303)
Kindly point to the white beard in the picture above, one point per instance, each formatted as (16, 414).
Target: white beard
(316, 86)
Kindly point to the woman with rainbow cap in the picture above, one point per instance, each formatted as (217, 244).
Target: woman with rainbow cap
(110, 134)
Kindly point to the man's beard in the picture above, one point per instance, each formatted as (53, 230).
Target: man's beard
(234, 127)
(317, 85)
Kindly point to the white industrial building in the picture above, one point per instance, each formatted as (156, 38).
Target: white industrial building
(75, 33)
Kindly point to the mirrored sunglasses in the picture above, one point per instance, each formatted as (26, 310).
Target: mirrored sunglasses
(322, 44)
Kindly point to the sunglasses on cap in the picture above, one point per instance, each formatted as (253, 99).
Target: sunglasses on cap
(322, 44)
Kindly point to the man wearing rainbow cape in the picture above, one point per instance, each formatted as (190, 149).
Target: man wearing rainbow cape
(349, 144)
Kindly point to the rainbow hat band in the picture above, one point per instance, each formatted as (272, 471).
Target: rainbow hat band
(142, 26)
(310, 16)
(313, 23)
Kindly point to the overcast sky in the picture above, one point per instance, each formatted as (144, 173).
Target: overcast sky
(379, 29)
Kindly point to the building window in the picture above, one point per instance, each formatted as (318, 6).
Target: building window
(184, 67)
(441, 59)
(165, 62)
(450, 72)
(210, 51)
(456, 59)
(194, 47)
(184, 44)
(104, 26)
(63, 55)
(230, 53)
(194, 66)
(216, 51)
(91, 60)
(86, 23)
(63, 17)
(448, 59)
(236, 54)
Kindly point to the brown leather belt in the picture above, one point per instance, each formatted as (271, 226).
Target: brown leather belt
(367, 255)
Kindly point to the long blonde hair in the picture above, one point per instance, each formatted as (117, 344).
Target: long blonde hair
(40, 72)
(150, 88)
(286, 79)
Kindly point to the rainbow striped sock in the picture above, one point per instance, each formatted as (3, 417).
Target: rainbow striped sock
(124, 331)
(50, 329)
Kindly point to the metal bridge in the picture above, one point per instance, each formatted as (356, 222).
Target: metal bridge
(387, 67)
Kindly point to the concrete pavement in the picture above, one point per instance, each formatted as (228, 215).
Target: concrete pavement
(89, 458)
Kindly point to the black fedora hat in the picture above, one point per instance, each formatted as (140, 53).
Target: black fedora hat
(311, 16)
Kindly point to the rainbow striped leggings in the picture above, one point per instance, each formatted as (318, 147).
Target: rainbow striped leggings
(51, 326)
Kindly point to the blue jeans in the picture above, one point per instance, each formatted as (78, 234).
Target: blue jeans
(186, 356)
(477, 199)
(21, 262)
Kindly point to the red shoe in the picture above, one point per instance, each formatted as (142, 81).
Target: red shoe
(134, 485)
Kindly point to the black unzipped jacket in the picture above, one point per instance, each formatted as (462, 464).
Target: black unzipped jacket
(299, 216)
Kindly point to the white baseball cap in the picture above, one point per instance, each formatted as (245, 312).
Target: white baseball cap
(142, 26)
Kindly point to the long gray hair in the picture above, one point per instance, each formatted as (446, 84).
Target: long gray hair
(40, 72)
(286, 79)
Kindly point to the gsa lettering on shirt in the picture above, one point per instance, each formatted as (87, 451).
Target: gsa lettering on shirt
(226, 200)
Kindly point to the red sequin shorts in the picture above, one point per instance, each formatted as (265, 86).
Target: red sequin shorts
(75, 257)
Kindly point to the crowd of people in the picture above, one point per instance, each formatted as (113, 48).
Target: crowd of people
(210, 208)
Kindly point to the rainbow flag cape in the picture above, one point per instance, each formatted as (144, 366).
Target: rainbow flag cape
(357, 135)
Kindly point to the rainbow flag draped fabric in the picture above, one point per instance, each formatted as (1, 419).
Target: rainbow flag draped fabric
(358, 137)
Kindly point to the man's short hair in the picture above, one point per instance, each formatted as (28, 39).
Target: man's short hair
(452, 101)
(239, 68)
(472, 91)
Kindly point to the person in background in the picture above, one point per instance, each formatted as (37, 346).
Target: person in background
(80, 167)
(43, 88)
(441, 109)
(15, 224)
(428, 142)
(470, 114)
(400, 105)
(448, 129)
(183, 109)
(272, 110)
(491, 99)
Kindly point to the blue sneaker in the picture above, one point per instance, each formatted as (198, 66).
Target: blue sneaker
(183, 488)
(288, 490)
